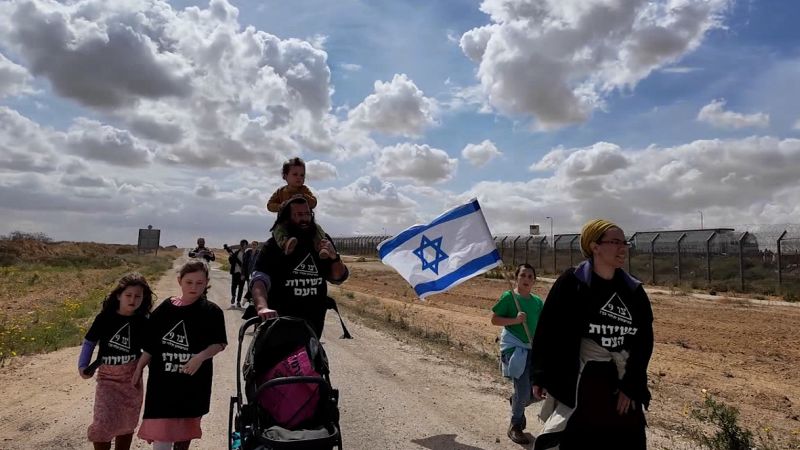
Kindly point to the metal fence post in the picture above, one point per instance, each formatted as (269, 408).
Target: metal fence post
(780, 269)
(555, 263)
(514, 251)
(373, 243)
(526, 248)
(678, 248)
(708, 256)
(503, 249)
(570, 249)
(632, 240)
(541, 250)
(741, 260)
(653, 258)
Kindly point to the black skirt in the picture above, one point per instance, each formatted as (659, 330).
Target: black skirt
(595, 424)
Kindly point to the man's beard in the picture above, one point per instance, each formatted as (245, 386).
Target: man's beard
(302, 233)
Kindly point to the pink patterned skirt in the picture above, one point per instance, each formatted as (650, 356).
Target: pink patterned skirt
(117, 403)
(170, 430)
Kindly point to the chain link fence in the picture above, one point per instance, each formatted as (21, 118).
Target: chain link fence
(722, 259)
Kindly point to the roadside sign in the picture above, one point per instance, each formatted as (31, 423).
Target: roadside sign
(148, 239)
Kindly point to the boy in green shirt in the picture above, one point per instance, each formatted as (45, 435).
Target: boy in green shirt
(518, 312)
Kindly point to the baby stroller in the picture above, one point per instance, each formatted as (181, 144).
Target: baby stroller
(289, 402)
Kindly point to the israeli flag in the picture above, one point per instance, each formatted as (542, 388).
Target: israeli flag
(453, 248)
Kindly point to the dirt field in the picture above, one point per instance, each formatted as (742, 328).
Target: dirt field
(744, 353)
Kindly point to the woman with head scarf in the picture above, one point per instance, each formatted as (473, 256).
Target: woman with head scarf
(591, 349)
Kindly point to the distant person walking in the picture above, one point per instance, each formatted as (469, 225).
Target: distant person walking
(119, 329)
(591, 350)
(237, 259)
(184, 334)
(201, 251)
(250, 256)
(516, 307)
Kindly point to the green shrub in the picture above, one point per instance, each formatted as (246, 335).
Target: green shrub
(727, 435)
(24, 236)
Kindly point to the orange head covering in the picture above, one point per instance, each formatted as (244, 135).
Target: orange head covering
(591, 232)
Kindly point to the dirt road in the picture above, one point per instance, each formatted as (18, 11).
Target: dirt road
(393, 395)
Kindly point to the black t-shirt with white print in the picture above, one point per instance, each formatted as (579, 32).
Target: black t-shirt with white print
(175, 334)
(120, 337)
(298, 286)
(611, 321)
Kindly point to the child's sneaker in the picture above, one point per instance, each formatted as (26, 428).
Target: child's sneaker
(288, 247)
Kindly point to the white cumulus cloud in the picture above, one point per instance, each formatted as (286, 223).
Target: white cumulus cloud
(14, 79)
(397, 107)
(714, 113)
(415, 162)
(368, 203)
(557, 60)
(732, 181)
(480, 154)
(206, 90)
(95, 141)
(317, 170)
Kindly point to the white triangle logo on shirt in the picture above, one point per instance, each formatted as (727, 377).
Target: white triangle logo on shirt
(617, 308)
(177, 336)
(121, 340)
(307, 267)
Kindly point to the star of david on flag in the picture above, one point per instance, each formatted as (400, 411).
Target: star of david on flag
(449, 250)
(440, 256)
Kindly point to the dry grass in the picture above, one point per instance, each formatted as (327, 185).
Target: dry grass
(50, 291)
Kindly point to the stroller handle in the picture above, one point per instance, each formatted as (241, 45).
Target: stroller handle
(250, 322)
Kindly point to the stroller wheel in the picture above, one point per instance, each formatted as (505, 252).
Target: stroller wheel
(234, 437)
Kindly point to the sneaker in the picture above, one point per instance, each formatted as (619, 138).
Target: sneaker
(288, 247)
(517, 436)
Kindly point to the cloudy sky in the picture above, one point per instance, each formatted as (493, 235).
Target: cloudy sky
(116, 115)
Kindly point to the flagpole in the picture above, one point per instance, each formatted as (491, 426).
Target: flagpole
(516, 302)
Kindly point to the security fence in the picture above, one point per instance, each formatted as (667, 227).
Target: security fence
(720, 259)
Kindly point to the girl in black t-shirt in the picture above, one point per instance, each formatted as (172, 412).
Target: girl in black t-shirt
(119, 329)
(184, 333)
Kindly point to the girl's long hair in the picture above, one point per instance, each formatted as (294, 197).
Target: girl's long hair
(111, 302)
